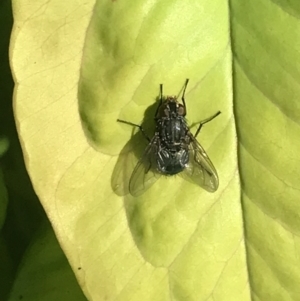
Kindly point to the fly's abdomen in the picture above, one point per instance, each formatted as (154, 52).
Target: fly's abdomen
(171, 163)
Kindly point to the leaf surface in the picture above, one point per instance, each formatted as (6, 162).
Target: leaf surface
(86, 66)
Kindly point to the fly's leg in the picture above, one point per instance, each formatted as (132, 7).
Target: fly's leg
(205, 121)
(160, 98)
(183, 93)
(136, 125)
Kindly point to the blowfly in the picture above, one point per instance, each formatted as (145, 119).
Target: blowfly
(173, 149)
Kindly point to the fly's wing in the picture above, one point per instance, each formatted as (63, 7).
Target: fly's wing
(145, 173)
(200, 169)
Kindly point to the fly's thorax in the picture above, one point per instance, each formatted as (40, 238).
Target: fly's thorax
(172, 131)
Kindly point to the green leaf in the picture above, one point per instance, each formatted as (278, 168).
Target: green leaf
(267, 74)
(79, 67)
(45, 273)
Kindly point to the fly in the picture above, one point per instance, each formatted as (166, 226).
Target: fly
(173, 149)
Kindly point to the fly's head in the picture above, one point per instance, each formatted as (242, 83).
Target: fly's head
(171, 108)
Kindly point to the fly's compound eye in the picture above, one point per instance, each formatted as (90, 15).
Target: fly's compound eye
(181, 110)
